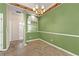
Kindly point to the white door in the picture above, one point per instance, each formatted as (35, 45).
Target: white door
(21, 27)
(16, 26)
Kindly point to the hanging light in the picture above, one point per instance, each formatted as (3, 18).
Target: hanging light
(39, 10)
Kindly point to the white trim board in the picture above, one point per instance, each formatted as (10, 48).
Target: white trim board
(59, 34)
(54, 46)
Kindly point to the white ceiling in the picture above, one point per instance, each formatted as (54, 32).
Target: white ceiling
(31, 5)
(14, 9)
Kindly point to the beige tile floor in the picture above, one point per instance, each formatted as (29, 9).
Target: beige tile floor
(33, 48)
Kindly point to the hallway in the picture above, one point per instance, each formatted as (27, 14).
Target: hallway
(34, 48)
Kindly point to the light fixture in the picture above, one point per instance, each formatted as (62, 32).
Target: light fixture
(39, 10)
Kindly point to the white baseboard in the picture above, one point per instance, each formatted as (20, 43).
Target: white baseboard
(4, 49)
(59, 48)
(54, 46)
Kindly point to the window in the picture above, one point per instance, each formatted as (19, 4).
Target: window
(32, 24)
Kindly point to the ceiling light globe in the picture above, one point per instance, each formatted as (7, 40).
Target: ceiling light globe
(36, 12)
(34, 9)
(36, 6)
(44, 10)
(42, 7)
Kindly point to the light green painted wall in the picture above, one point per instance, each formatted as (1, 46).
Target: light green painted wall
(3, 10)
(31, 36)
(64, 19)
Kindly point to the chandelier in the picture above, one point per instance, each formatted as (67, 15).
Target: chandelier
(39, 10)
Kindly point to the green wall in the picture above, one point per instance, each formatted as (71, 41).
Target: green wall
(64, 19)
(3, 10)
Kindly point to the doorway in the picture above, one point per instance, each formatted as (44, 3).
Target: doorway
(16, 25)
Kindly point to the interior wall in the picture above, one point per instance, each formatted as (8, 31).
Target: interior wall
(62, 20)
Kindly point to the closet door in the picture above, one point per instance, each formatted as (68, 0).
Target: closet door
(1, 31)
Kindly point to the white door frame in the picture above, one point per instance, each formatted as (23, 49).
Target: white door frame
(9, 23)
